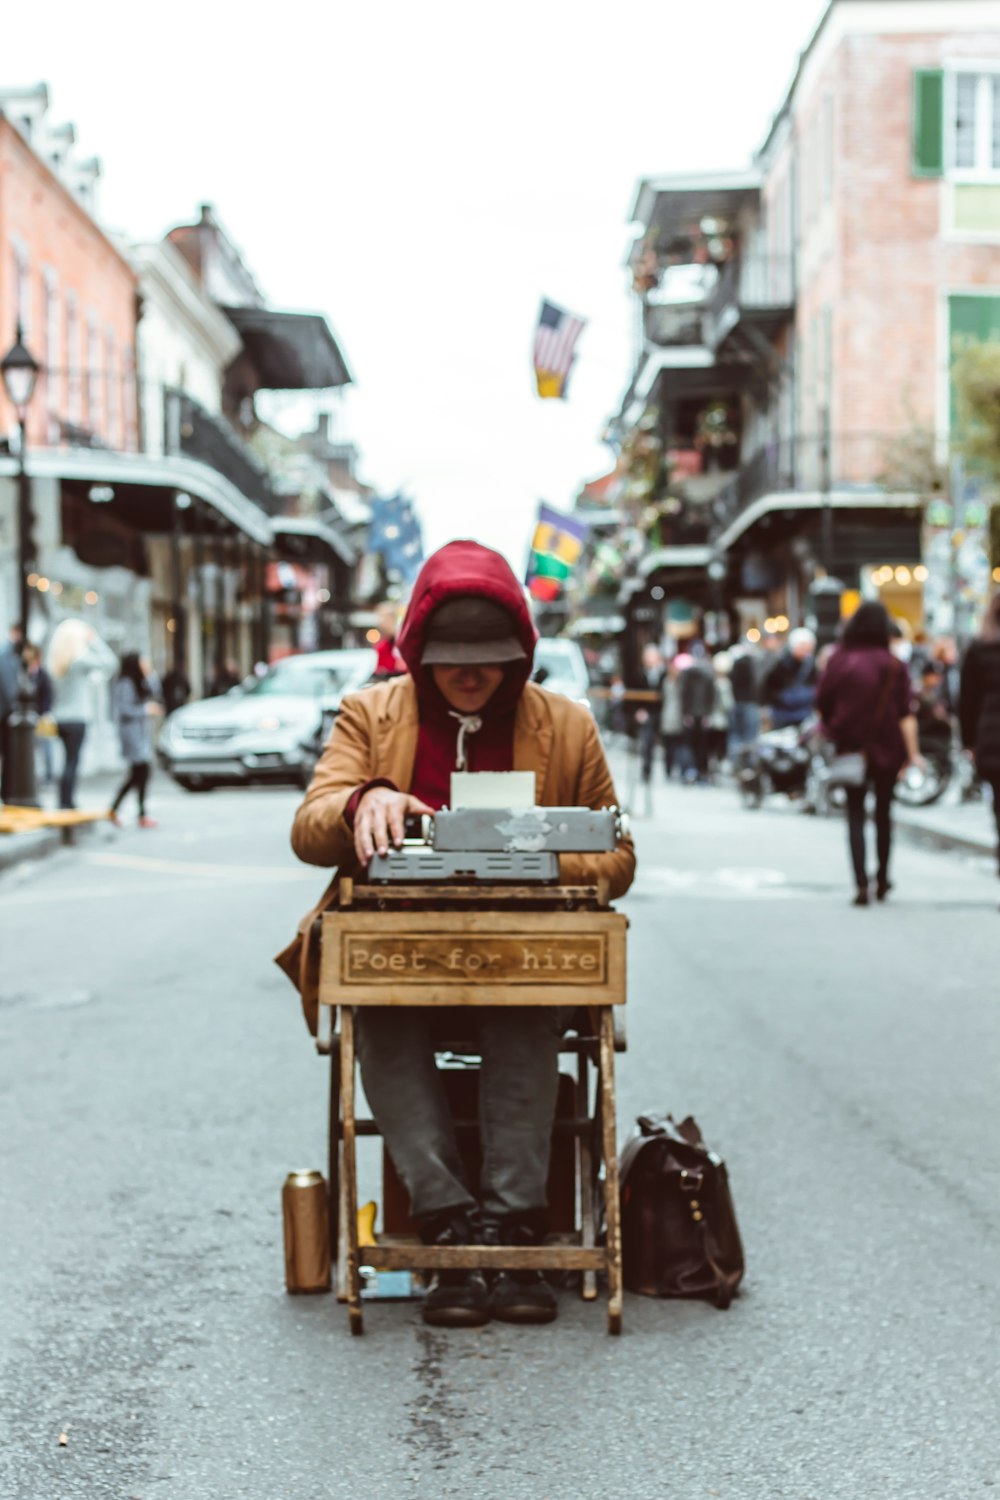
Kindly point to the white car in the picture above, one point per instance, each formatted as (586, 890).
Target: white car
(270, 728)
(560, 667)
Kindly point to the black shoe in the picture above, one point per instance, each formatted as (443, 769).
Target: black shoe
(861, 899)
(520, 1296)
(454, 1299)
(882, 889)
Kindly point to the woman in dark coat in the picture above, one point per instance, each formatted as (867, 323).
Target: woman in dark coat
(979, 704)
(866, 702)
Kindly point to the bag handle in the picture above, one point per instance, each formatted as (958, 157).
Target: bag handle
(880, 708)
(725, 1282)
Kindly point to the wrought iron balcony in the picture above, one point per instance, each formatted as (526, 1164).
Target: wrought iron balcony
(851, 463)
(753, 299)
(200, 434)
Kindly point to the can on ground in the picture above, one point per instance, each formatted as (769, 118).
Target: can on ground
(306, 1213)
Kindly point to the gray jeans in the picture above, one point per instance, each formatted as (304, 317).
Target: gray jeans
(517, 1099)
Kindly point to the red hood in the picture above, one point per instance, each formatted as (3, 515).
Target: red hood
(467, 568)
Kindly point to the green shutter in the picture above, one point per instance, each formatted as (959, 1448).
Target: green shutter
(928, 122)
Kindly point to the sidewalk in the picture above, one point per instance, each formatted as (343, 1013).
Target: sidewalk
(94, 795)
(968, 826)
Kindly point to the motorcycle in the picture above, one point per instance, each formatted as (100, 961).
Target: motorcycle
(783, 760)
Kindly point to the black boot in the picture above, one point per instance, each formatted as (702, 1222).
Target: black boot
(455, 1299)
(520, 1296)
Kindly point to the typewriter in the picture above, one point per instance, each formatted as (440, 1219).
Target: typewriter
(496, 846)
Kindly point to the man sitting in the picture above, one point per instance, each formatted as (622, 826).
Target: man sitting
(467, 704)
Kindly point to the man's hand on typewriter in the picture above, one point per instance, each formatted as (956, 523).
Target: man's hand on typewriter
(380, 817)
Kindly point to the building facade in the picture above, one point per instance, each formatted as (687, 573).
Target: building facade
(156, 515)
(801, 318)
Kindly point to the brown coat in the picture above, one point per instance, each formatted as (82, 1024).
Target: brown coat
(376, 735)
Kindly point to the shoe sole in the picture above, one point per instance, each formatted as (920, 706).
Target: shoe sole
(525, 1314)
(456, 1317)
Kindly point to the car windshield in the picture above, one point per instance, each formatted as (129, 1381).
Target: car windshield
(329, 680)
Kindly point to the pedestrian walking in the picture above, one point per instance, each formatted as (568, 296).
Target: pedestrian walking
(745, 682)
(76, 655)
(134, 705)
(45, 727)
(697, 690)
(672, 720)
(979, 705)
(721, 718)
(10, 680)
(227, 676)
(176, 689)
(866, 703)
(790, 685)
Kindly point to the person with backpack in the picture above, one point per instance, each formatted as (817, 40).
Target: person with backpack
(698, 697)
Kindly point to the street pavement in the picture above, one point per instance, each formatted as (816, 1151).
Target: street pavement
(158, 1084)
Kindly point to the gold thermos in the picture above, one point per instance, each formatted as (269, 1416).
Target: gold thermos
(307, 1232)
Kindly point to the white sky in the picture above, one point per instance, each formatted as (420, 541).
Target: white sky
(423, 174)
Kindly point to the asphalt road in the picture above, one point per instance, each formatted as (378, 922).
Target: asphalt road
(157, 1084)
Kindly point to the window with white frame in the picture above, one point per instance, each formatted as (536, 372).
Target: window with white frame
(50, 305)
(93, 373)
(975, 127)
(74, 374)
(112, 397)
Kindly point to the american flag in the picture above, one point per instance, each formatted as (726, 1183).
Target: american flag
(555, 340)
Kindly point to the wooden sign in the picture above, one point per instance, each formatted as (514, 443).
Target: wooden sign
(473, 958)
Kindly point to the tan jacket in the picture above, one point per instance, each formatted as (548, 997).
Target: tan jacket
(376, 735)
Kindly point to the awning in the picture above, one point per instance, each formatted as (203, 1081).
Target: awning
(313, 529)
(291, 351)
(154, 474)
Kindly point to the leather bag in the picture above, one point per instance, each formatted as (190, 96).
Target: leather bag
(679, 1232)
(849, 769)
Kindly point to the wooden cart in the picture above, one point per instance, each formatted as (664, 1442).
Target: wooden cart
(454, 946)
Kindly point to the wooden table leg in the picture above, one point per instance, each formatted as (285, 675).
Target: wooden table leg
(585, 1168)
(612, 1205)
(350, 1169)
(338, 1217)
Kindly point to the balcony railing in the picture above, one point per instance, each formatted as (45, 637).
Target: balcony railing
(751, 286)
(199, 434)
(858, 463)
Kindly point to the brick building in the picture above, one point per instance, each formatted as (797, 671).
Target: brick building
(64, 282)
(838, 275)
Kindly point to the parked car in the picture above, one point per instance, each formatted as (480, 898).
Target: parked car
(560, 667)
(270, 728)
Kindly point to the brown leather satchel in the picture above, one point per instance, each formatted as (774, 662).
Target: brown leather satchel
(679, 1231)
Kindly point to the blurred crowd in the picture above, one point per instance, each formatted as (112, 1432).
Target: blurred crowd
(705, 707)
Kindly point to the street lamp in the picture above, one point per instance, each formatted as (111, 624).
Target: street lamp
(20, 372)
(20, 376)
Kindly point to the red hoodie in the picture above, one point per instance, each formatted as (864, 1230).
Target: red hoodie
(457, 570)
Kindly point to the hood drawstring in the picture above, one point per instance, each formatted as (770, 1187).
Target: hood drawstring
(467, 724)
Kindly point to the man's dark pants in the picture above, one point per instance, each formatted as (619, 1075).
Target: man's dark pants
(517, 1099)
